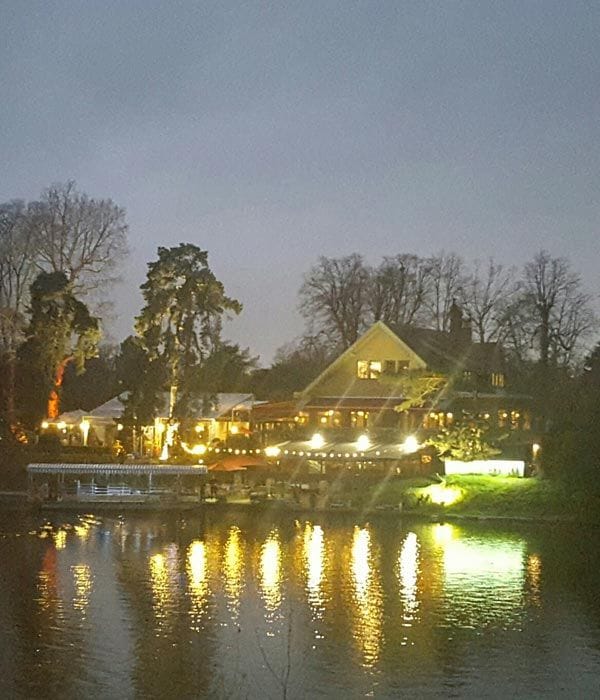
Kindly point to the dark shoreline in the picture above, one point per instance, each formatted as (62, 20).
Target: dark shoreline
(17, 501)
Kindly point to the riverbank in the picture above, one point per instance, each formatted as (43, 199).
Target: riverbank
(481, 498)
(365, 493)
(492, 497)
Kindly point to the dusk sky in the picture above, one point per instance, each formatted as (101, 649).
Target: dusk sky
(271, 133)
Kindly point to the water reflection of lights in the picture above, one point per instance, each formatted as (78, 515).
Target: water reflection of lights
(492, 570)
(408, 566)
(534, 576)
(233, 565)
(314, 557)
(60, 538)
(82, 531)
(360, 560)
(367, 599)
(163, 576)
(270, 571)
(442, 533)
(47, 584)
(197, 579)
(83, 586)
(495, 562)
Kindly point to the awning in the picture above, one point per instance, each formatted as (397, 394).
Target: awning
(343, 451)
(118, 469)
(231, 463)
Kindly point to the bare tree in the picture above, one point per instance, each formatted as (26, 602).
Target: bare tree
(334, 297)
(399, 289)
(83, 237)
(66, 232)
(17, 270)
(486, 294)
(446, 280)
(557, 306)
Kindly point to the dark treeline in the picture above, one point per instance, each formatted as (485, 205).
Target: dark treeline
(58, 253)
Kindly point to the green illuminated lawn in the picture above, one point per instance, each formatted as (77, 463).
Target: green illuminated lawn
(486, 496)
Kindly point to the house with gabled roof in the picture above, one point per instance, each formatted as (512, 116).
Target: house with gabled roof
(364, 388)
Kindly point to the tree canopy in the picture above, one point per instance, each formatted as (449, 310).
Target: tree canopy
(61, 331)
(180, 323)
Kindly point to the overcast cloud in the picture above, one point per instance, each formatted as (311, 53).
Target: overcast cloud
(272, 133)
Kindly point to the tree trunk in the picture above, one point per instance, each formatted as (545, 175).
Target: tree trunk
(54, 397)
(9, 392)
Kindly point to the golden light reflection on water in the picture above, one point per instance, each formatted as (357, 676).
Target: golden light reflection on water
(163, 580)
(534, 578)
(60, 538)
(233, 569)
(196, 566)
(47, 584)
(314, 562)
(82, 577)
(82, 531)
(442, 533)
(270, 571)
(407, 570)
(492, 571)
(367, 597)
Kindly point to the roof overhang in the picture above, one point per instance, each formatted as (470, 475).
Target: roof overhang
(118, 469)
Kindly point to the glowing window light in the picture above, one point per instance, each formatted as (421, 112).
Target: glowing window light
(61, 425)
(234, 430)
(410, 444)
(272, 451)
(199, 428)
(45, 425)
(120, 426)
(363, 443)
(317, 441)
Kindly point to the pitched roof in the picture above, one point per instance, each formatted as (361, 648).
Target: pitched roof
(223, 404)
(448, 352)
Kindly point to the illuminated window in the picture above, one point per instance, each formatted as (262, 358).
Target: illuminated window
(368, 369)
(359, 419)
(330, 419)
(497, 379)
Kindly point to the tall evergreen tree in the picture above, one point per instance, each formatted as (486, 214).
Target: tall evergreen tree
(180, 323)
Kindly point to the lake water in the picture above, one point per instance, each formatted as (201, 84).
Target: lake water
(232, 604)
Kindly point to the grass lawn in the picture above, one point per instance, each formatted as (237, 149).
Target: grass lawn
(486, 496)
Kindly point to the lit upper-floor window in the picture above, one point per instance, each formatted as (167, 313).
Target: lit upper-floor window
(497, 379)
(368, 369)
